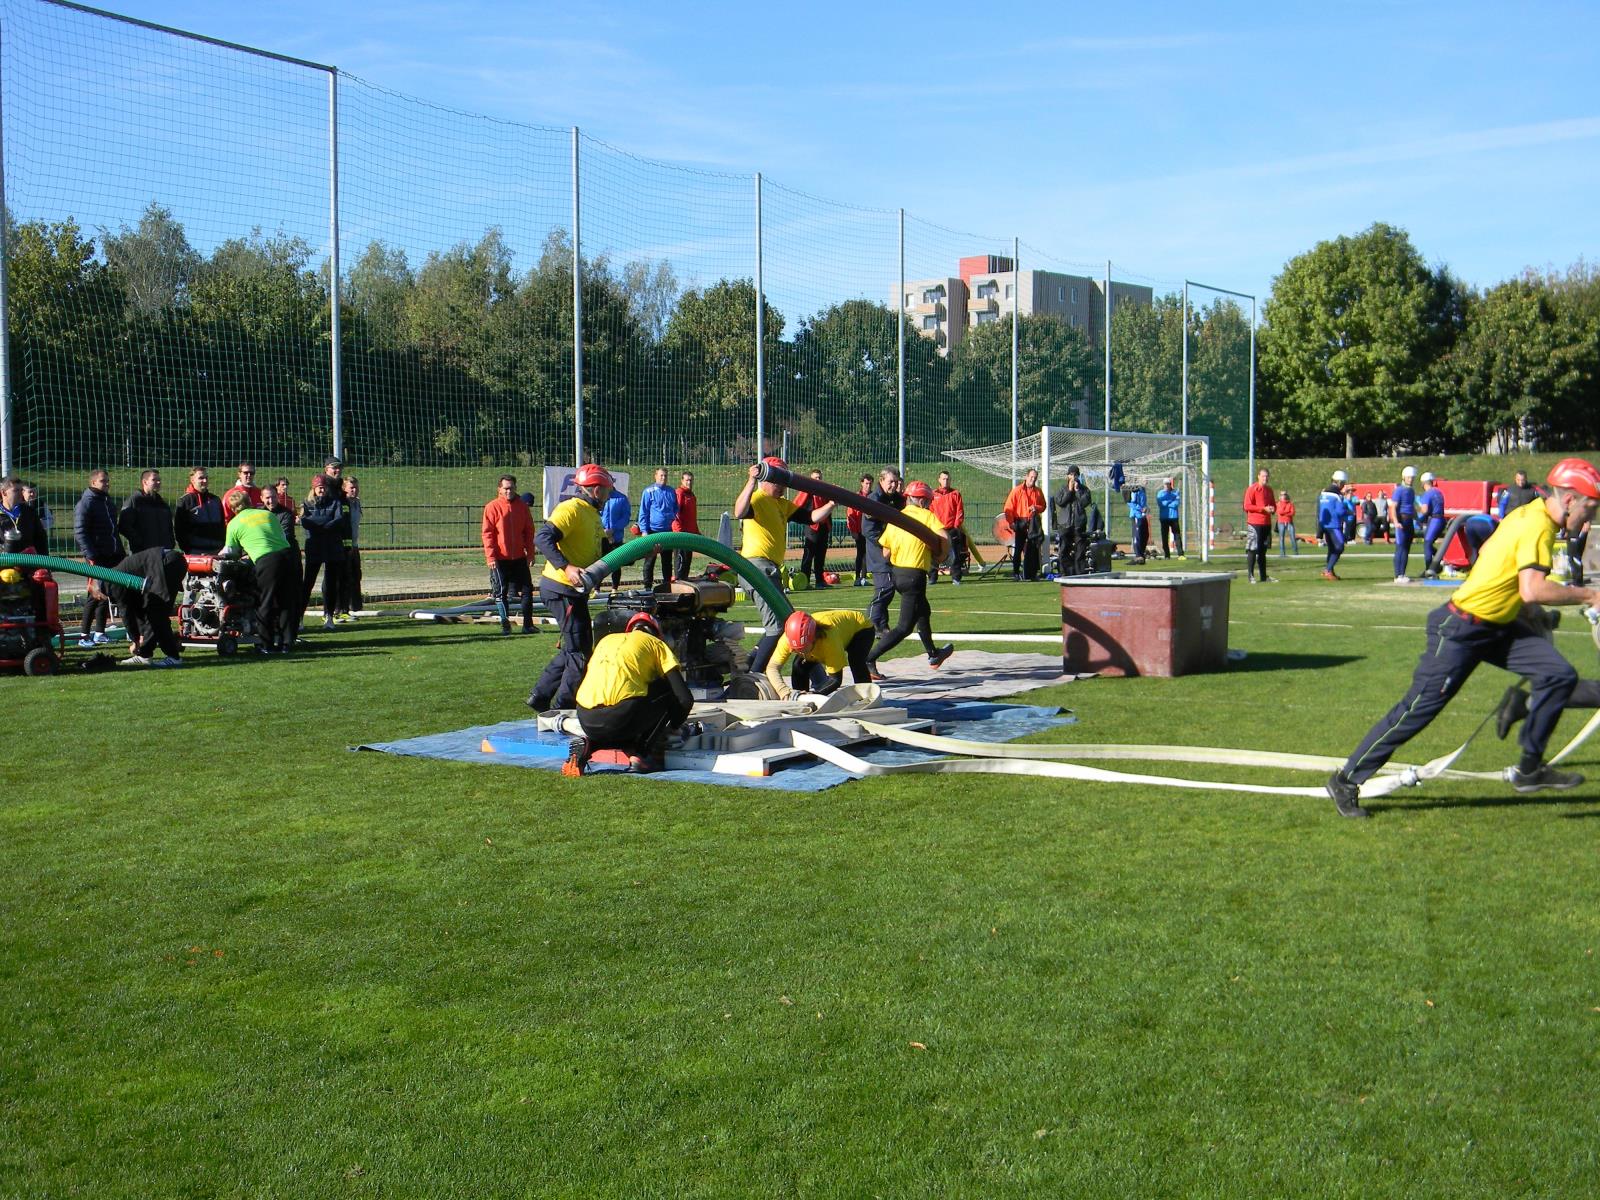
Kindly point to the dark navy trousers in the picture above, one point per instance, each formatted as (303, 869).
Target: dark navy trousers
(1456, 645)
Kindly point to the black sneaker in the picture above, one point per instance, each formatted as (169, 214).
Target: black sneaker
(1545, 777)
(577, 758)
(938, 658)
(1346, 795)
(1513, 708)
(538, 703)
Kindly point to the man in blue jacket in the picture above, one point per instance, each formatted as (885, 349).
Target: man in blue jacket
(1430, 512)
(1331, 514)
(615, 513)
(1169, 510)
(1403, 522)
(658, 509)
(1139, 519)
(94, 527)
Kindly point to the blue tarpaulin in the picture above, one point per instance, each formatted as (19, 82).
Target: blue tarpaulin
(521, 744)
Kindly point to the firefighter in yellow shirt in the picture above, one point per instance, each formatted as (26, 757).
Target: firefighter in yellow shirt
(822, 645)
(569, 541)
(633, 694)
(766, 513)
(1484, 622)
(910, 560)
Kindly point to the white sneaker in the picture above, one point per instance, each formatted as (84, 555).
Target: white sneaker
(327, 624)
(86, 643)
(1402, 579)
(168, 661)
(135, 660)
(100, 638)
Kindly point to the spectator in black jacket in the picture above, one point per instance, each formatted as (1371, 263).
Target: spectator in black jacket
(281, 505)
(94, 527)
(326, 520)
(198, 521)
(145, 521)
(17, 516)
(148, 614)
(30, 495)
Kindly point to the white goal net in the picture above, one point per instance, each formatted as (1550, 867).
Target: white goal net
(1145, 458)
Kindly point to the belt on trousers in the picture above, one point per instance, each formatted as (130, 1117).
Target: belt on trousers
(1464, 614)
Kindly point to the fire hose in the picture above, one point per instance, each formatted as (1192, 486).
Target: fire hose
(69, 566)
(644, 546)
(832, 491)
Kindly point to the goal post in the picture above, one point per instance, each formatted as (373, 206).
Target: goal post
(1145, 458)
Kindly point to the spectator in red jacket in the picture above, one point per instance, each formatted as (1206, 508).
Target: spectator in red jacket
(687, 521)
(948, 507)
(246, 483)
(1260, 507)
(814, 546)
(508, 550)
(852, 522)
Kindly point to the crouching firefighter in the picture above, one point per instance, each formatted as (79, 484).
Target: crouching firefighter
(633, 694)
(821, 646)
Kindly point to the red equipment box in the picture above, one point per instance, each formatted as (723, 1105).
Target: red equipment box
(1125, 624)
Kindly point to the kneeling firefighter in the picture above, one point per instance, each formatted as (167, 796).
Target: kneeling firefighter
(632, 695)
(822, 645)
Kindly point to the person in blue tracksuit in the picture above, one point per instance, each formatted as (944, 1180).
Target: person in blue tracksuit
(1169, 510)
(1139, 519)
(614, 517)
(658, 509)
(1430, 514)
(1403, 522)
(1331, 514)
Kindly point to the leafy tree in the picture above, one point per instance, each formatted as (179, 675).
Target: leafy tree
(377, 292)
(1057, 370)
(708, 359)
(1353, 328)
(155, 261)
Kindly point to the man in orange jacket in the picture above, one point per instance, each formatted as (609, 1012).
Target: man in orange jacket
(1022, 510)
(508, 549)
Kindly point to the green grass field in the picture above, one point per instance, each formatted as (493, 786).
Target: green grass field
(237, 959)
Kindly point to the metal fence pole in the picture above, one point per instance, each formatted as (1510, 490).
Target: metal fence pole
(1016, 341)
(577, 311)
(1108, 383)
(6, 450)
(1184, 325)
(336, 359)
(1252, 474)
(761, 341)
(900, 322)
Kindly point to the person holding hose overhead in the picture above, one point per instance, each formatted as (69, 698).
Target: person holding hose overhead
(765, 512)
(570, 541)
(910, 559)
(821, 646)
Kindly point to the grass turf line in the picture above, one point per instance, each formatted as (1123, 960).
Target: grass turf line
(454, 980)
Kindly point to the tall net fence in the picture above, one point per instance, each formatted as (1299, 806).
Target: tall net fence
(181, 214)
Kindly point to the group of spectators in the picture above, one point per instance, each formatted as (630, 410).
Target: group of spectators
(204, 523)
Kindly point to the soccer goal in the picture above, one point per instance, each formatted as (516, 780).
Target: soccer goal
(1145, 458)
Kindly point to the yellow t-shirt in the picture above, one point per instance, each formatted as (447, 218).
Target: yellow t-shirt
(624, 665)
(835, 630)
(763, 532)
(1526, 538)
(907, 550)
(578, 522)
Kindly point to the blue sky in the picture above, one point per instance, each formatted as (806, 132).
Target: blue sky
(1212, 142)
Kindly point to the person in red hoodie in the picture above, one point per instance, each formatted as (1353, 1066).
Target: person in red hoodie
(1260, 506)
(952, 514)
(246, 483)
(687, 521)
(852, 522)
(508, 549)
(814, 547)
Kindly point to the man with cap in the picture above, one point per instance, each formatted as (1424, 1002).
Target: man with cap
(1169, 511)
(633, 694)
(1485, 621)
(1331, 514)
(1403, 522)
(570, 541)
(766, 513)
(821, 646)
(1430, 511)
(909, 560)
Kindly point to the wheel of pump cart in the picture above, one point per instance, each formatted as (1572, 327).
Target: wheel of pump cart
(41, 660)
(228, 645)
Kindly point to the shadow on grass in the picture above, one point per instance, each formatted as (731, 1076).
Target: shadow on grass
(1273, 661)
(1511, 800)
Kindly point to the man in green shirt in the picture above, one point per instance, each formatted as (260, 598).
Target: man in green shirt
(259, 535)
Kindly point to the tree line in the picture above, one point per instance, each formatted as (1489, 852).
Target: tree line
(132, 347)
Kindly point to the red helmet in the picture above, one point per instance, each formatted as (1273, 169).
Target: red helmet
(917, 490)
(593, 475)
(645, 621)
(1578, 474)
(772, 460)
(800, 630)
